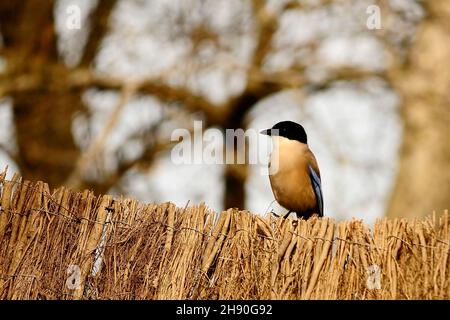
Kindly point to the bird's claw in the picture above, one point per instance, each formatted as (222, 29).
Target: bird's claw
(276, 215)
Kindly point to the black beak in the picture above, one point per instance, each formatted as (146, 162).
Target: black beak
(266, 132)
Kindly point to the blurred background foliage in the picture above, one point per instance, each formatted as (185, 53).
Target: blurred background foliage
(93, 107)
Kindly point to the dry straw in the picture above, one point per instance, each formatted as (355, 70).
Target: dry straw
(122, 249)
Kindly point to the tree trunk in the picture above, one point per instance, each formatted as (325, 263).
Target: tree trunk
(423, 182)
(43, 115)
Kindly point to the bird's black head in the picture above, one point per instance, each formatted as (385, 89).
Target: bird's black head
(288, 129)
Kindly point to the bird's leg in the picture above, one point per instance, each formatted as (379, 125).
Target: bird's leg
(287, 214)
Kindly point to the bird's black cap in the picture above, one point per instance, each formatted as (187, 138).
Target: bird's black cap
(288, 129)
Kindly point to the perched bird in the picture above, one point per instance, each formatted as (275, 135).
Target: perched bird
(293, 170)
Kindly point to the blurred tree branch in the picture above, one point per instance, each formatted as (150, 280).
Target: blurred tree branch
(260, 85)
(98, 144)
(98, 22)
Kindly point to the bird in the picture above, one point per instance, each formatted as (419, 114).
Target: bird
(293, 171)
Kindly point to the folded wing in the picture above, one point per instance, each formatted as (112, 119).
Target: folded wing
(317, 187)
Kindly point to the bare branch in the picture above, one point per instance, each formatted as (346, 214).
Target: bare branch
(98, 144)
(267, 24)
(85, 78)
(99, 27)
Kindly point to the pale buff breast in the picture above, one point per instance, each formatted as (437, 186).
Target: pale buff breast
(289, 175)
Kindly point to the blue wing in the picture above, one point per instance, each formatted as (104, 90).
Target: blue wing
(317, 187)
